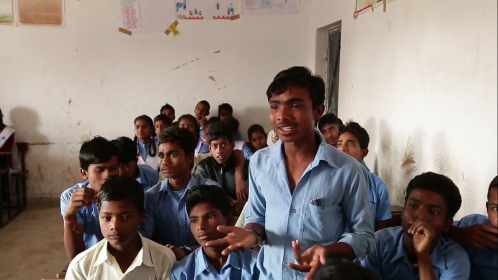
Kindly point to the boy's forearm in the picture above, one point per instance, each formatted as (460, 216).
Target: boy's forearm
(259, 229)
(425, 269)
(239, 164)
(340, 250)
(73, 239)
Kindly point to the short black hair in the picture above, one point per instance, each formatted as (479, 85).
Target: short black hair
(96, 151)
(212, 120)
(358, 131)
(493, 184)
(329, 118)
(181, 137)
(225, 107)
(220, 129)
(127, 149)
(167, 107)
(163, 118)
(345, 271)
(298, 76)
(208, 194)
(255, 128)
(193, 120)
(119, 188)
(439, 184)
(205, 103)
(233, 123)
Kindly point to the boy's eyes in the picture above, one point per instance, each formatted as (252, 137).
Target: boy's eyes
(193, 221)
(411, 205)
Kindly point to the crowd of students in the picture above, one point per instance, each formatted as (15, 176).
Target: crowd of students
(188, 199)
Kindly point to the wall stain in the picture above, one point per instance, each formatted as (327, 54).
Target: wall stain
(40, 173)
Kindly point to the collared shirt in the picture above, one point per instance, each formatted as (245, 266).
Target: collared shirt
(379, 197)
(238, 136)
(148, 176)
(153, 262)
(143, 149)
(241, 145)
(484, 263)
(239, 266)
(390, 260)
(331, 196)
(202, 147)
(167, 212)
(88, 217)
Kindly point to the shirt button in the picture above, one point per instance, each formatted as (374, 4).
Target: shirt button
(293, 210)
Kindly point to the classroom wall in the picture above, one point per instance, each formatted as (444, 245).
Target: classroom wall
(61, 86)
(425, 71)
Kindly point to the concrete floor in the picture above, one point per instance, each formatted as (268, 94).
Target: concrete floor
(31, 246)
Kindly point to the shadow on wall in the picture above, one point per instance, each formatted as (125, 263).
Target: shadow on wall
(371, 127)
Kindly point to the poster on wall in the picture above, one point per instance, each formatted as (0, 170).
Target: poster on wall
(361, 6)
(40, 12)
(6, 12)
(205, 9)
(256, 7)
(147, 15)
(285, 7)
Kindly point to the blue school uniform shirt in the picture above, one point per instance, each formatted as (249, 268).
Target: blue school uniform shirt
(238, 136)
(148, 176)
(143, 149)
(331, 196)
(166, 211)
(379, 197)
(88, 217)
(239, 266)
(484, 263)
(390, 260)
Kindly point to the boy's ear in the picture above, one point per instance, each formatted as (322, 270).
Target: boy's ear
(142, 216)
(318, 111)
(190, 158)
(447, 225)
(364, 153)
(209, 147)
(230, 219)
(84, 174)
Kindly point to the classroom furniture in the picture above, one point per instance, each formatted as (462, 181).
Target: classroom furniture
(396, 212)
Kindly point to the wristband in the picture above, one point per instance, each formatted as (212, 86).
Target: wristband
(260, 239)
(68, 222)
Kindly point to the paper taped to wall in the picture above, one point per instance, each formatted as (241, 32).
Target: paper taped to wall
(40, 12)
(147, 15)
(6, 12)
(205, 9)
(256, 7)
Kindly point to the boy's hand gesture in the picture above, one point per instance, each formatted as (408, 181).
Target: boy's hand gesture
(241, 189)
(310, 261)
(423, 236)
(81, 197)
(237, 239)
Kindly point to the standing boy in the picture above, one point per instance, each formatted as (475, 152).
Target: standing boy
(98, 162)
(353, 140)
(124, 253)
(417, 249)
(165, 202)
(329, 125)
(479, 236)
(302, 188)
(209, 208)
(128, 163)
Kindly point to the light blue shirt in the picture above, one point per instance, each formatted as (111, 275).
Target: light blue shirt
(143, 149)
(379, 198)
(167, 212)
(484, 263)
(247, 151)
(148, 176)
(390, 260)
(330, 197)
(239, 266)
(88, 217)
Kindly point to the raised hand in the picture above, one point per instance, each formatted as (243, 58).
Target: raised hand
(81, 197)
(309, 261)
(423, 236)
(237, 239)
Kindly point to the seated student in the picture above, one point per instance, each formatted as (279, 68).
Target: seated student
(225, 110)
(206, 129)
(169, 111)
(257, 137)
(161, 122)
(98, 162)
(345, 271)
(233, 123)
(201, 112)
(479, 236)
(354, 140)
(329, 125)
(145, 137)
(189, 122)
(209, 208)
(417, 249)
(128, 164)
(165, 202)
(220, 166)
(124, 253)
(8, 145)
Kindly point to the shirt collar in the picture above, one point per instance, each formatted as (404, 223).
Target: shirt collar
(325, 153)
(201, 263)
(437, 254)
(143, 256)
(143, 145)
(191, 183)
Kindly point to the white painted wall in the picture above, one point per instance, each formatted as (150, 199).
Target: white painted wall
(111, 78)
(426, 70)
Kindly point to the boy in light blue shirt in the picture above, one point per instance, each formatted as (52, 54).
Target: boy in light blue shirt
(354, 140)
(479, 236)
(209, 208)
(417, 249)
(128, 163)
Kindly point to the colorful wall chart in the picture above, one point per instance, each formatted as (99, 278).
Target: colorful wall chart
(40, 12)
(6, 12)
(205, 9)
(147, 15)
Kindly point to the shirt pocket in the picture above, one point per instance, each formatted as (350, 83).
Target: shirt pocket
(323, 224)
